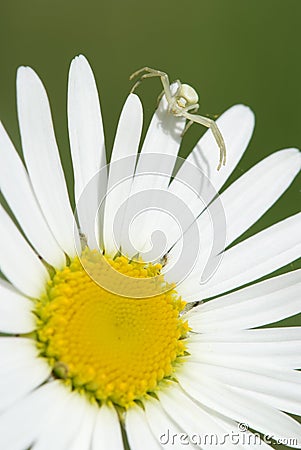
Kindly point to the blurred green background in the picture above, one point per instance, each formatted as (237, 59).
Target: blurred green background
(234, 51)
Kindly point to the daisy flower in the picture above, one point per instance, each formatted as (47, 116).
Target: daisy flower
(87, 365)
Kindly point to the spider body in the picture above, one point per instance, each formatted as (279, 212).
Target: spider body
(183, 103)
(185, 97)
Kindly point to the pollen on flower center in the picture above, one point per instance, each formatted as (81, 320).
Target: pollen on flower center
(113, 348)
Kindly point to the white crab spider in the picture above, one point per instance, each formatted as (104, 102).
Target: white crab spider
(182, 104)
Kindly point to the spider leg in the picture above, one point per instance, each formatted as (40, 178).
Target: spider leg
(135, 86)
(138, 72)
(187, 126)
(160, 97)
(178, 83)
(143, 77)
(146, 75)
(209, 123)
(153, 73)
(192, 109)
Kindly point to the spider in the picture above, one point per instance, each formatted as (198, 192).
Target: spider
(182, 104)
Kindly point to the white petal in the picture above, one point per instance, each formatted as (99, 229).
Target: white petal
(63, 423)
(83, 437)
(194, 193)
(18, 261)
(255, 257)
(196, 249)
(262, 335)
(42, 158)
(20, 197)
(236, 126)
(239, 406)
(20, 425)
(193, 419)
(282, 387)
(138, 432)
(121, 170)
(173, 433)
(15, 311)
(86, 140)
(279, 346)
(288, 355)
(266, 302)
(21, 370)
(163, 137)
(14, 350)
(85, 124)
(289, 405)
(243, 203)
(154, 169)
(246, 200)
(164, 429)
(107, 432)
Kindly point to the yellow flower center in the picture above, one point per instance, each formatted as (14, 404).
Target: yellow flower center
(112, 348)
